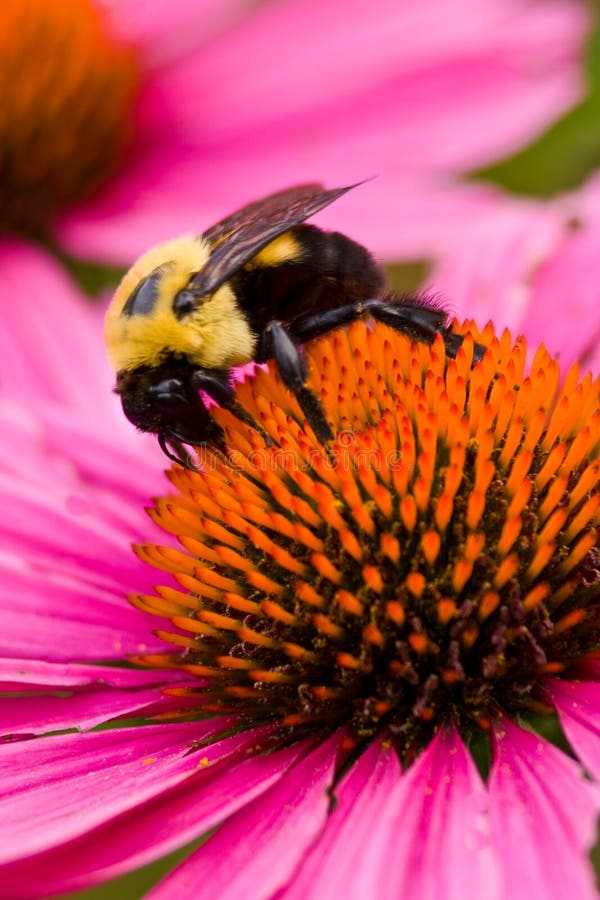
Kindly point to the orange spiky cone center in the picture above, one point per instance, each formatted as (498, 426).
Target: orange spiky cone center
(439, 564)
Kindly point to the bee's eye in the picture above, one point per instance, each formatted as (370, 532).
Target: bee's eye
(169, 393)
(184, 303)
(143, 300)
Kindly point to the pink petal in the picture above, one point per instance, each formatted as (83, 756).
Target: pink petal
(255, 852)
(55, 360)
(63, 522)
(440, 842)
(578, 707)
(543, 818)
(29, 715)
(524, 266)
(63, 620)
(54, 353)
(162, 32)
(420, 835)
(57, 439)
(400, 215)
(565, 293)
(70, 784)
(486, 274)
(49, 676)
(154, 828)
(121, 460)
(67, 561)
(357, 829)
(473, 65)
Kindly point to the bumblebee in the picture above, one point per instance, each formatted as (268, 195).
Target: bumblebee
(255, 286)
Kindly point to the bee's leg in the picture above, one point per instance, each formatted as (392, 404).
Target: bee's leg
(276, 342)
(419, 322)
(176, 452)
(216, 384)
(184, 419)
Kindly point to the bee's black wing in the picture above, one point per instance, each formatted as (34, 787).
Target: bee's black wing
(240, 236)
(275, 205)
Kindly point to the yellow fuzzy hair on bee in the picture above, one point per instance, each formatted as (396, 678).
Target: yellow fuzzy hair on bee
(214, 335)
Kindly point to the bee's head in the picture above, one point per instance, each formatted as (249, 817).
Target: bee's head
(163, 400)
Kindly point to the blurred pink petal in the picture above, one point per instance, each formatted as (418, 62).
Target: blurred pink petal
(54, 361)
(231, 112)
(578, 707)
(542, 850)
(164, 32)
(52, 352)
(487, 272)
(155, 828)
(532, 267)
(255, 853)
(260, 81)
(564, 310)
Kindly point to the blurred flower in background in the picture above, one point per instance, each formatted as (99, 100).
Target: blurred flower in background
(129, 122)
(531, 266)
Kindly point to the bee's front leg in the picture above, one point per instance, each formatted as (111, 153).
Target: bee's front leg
(276, 342)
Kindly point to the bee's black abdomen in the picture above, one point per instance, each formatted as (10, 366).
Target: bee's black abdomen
(337, 257)
(329, 270)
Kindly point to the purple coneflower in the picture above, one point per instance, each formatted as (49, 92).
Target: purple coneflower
(351, 665)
